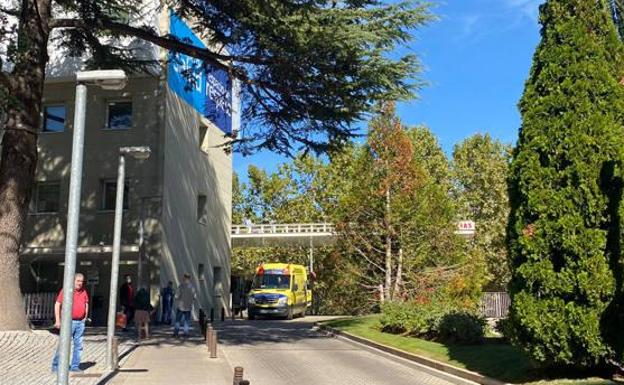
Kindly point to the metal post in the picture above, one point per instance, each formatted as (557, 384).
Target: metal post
(238, 375)
(209, 336)
(311, 255)
(115, 355)
(73, 215)
(213, 344)
(141, 243)
(112, 301)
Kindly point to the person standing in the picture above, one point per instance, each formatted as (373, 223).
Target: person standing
(126, 299)
(167, 295)
(143, 310)
(185, 296)
(80, 309)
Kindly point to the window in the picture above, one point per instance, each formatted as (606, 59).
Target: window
(200, 272)
(202, 211)
(203, 130)
(119, 116)
(46, 197)
(54, 118)
(217, 280)
(109, 193)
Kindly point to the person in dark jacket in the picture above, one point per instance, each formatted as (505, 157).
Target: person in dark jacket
(126, 299)
(142, 312)
(167, 295)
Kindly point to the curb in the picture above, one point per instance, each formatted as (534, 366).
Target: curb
(438, 366)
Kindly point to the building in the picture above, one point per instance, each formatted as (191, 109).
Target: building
(177, 211)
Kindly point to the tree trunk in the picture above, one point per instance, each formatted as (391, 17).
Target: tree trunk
(398, 281)
(19, 153)
(388, 281)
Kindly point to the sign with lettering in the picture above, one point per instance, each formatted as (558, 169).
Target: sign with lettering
(465, 228)
(206, 88)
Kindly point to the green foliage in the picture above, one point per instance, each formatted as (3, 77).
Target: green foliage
(480, 171)
(461, 327)
(411, 318)
(438, 319)
(565, 189)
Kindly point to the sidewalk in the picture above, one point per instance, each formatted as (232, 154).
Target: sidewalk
(26, 357)
(166, 360)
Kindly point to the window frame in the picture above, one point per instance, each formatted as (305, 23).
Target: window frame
(110, 102)
(202, 217)
(44, 120)
(35, 201)
(103, 183)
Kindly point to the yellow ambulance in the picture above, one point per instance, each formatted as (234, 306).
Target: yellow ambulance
(279, 290)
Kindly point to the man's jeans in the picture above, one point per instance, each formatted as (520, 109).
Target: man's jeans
(78, 328)
(182, 315)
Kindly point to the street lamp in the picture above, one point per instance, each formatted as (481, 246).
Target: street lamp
(108, 80)
(139, 153)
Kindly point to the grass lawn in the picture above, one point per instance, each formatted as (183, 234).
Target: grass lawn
(493, 358)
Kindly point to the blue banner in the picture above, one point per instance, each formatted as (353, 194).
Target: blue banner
(206, 88)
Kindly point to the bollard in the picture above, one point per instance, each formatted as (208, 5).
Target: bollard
(202, 322)
(213, 345)
(222, 314)
(209, 336)
(115, 353)
(238, 375)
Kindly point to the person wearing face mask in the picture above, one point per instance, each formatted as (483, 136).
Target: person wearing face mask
(126, 299)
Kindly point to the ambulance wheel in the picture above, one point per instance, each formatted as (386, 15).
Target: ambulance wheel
(251, 316)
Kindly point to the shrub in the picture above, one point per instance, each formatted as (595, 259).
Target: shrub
(461, 327)
(414, 319)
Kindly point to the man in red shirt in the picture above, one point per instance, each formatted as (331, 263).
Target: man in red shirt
(80, 309)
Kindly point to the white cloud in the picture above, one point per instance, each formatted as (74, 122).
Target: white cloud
(528, 8)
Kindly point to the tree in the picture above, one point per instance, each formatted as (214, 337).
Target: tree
(480, 172)
(565, 188)
(307, 69)
(396, 221)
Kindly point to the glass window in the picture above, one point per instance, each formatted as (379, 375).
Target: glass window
(271, 281)
(109, 194)
(47, 197)
(202, 211)
(54, 118)
(119, 116)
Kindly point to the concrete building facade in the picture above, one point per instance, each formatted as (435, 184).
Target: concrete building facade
(177, 211)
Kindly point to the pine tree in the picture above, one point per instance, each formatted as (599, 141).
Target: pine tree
(565, 188)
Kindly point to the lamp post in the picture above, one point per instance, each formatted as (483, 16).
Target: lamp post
(140, 153)
(108, 80)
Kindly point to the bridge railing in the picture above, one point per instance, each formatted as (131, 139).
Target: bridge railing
(284, 228)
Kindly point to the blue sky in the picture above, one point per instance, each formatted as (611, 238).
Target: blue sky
(476, 57)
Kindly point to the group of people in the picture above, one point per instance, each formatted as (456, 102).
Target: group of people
(136, 306)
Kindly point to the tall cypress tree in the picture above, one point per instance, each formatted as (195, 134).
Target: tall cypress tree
(565, 188)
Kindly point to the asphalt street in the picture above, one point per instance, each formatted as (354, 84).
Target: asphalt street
(277, 352)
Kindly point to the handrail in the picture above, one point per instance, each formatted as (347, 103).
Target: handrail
(284, 228)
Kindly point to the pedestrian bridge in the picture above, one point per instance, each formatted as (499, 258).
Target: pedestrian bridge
(286, 234)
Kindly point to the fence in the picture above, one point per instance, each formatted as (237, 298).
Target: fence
(39, 307)
(495, 304)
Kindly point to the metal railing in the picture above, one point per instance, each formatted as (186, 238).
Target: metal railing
(284, 228)
(39, 307)
(495, 304)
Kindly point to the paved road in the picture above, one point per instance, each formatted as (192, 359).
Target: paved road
(290, 352)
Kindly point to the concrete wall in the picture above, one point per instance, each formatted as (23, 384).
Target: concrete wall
(191, 170)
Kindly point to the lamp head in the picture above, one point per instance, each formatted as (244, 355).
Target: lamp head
(138, 152)
(113, 80)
